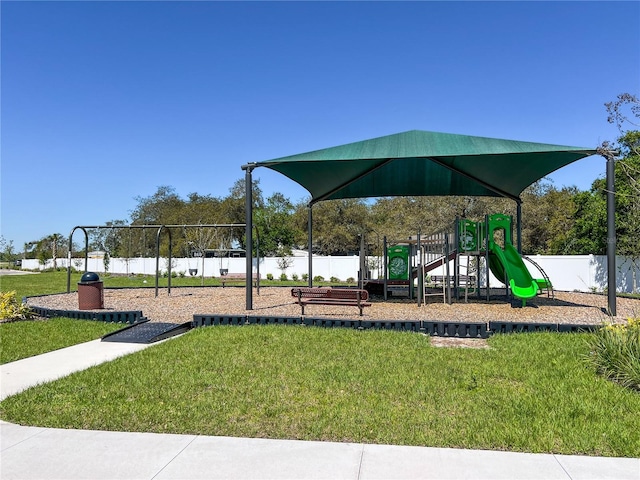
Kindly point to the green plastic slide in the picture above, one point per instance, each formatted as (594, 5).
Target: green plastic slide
(508, 263)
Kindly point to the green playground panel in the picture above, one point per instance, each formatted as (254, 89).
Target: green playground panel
(471, 235)
(398, 262)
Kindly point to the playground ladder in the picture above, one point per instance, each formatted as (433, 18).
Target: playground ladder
(544, 275)
(471, 281)
(434, 250)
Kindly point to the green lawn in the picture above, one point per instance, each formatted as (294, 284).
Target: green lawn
(56, 282)
(27, 338)
(529, 392)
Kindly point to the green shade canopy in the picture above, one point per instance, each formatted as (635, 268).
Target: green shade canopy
(424, 163)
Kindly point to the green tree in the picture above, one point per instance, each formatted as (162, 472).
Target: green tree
(624, 112)
(233, 206)
(547, 218)
(6, 250)
(164, 207)
(589, 232)
(401, 217)
(588, 235)
(628, 202)
(276, 226)
(200, 210)
(49, 247)
(111, 240)
(338, 224)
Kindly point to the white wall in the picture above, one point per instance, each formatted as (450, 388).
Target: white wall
(583, 273)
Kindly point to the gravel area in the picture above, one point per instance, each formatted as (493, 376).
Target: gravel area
(183, 303)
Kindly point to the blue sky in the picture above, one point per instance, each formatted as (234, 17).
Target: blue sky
(105, 101)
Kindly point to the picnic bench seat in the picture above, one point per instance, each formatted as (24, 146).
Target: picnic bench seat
(331, 296)
(237, 277)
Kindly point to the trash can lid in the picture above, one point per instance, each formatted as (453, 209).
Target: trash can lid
(89, 277)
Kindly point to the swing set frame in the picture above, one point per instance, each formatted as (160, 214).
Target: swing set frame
(159, 229)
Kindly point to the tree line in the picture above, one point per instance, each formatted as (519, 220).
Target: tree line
(555, 221)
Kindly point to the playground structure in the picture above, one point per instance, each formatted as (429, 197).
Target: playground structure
(430, 164)
(475, 248)
(491, 240)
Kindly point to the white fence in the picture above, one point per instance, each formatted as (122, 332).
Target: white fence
(341, 268)
(567, 272)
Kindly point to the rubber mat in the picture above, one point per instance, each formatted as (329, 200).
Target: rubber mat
(147, 332)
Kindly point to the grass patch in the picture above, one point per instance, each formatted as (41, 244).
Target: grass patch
(529, 392)
(28, 338)
(50, 282)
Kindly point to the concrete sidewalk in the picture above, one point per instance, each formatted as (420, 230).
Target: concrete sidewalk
(18, 376)
(44, 453)
(52, 454)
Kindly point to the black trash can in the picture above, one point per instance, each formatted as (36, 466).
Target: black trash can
(90, 292)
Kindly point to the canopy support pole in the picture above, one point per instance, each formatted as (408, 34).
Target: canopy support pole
(310, 243)
(519, 224)
(384, 266)
(611, 234)
(362, 264)
(248, 229)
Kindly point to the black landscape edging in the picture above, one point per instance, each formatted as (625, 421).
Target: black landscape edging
(110, 316)
(429, 327)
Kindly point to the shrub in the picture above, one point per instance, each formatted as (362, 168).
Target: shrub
(11, 309)
(318, 278)
(182, 274)
(351, 280)
(334, 279)
(295, 277)
(615, 352)
(269, 276)
(283, 277)
(305, 277)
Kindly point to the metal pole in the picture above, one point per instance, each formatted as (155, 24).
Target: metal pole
(448, 273)
(384, 266)
(170, 261)
(248, 208)
(310, 244)
(412, 252)
(362, 263)
(86, 254)
(257, 261)
(519, 224)
(611, 235)
(157, 256)
(158, 233)
(486, 252)
(419, 270)
(456, 262)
